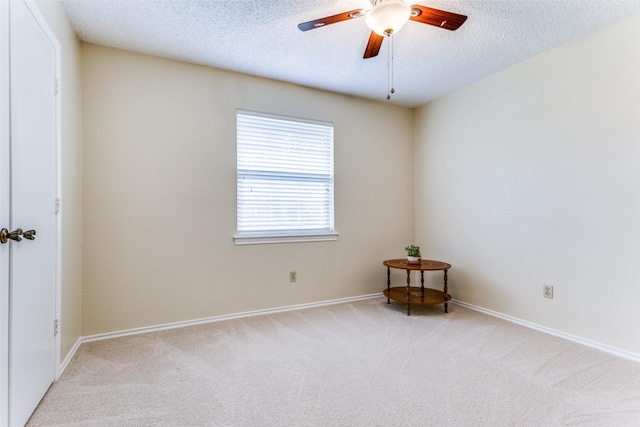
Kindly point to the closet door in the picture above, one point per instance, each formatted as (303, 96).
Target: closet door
(32, 255)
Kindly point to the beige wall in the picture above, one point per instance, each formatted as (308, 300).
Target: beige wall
(160, 201)
(529, 177)
(71, 162)
(532, 177)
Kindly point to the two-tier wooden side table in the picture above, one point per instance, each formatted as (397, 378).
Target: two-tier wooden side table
(414, 295)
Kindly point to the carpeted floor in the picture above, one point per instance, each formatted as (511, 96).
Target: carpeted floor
(355, 364)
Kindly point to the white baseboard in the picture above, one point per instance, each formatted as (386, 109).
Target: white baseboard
(593, 344)
(184, 324)
(167, 326)
(99, 337)
(67, 359)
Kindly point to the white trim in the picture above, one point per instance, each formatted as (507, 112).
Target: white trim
(593, 344)
(184, 324)
(67, 359)
(167, 326)
(5, 121)
(259, 240)
(283, 117)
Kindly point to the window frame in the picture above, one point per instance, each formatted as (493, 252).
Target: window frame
(291, 235)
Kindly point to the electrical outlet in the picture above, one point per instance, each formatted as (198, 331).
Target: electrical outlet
(547, 291)
(293, 276)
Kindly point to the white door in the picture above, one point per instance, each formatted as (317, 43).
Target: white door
(32, 263)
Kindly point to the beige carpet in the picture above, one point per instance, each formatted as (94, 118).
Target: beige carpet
(355, 364)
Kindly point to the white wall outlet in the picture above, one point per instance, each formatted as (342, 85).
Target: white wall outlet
(547, 291)
(293, 276)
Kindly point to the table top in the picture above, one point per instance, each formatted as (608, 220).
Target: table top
(425, 265)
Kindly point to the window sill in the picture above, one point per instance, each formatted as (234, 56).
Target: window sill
(293, 238)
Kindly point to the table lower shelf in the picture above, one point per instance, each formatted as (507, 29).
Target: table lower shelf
(416, 296)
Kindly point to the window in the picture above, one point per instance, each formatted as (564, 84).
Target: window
(285, 179)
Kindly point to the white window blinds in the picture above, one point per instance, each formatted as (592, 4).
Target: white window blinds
(285, 176)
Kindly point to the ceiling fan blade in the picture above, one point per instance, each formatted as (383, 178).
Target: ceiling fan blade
(439, 18)
(317, 23)
(373, 45)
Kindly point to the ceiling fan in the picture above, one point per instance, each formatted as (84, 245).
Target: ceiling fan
(386, 17)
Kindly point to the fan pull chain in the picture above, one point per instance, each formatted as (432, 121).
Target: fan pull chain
(392, 54)
(390, 88)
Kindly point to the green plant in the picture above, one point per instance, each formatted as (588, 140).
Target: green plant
(413, 250)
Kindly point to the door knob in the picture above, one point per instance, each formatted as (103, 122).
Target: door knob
(13, 235)
(29, 234)
(5, 235)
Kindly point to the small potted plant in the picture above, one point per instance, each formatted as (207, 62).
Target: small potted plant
(413, 254)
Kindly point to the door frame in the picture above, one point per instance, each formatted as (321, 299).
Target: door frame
(5, 195)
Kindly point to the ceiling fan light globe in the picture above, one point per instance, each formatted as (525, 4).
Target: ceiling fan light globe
(388, 16)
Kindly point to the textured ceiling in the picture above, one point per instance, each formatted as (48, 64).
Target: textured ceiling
(261, 38)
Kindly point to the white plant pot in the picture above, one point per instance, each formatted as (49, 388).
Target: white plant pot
(414, 259)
